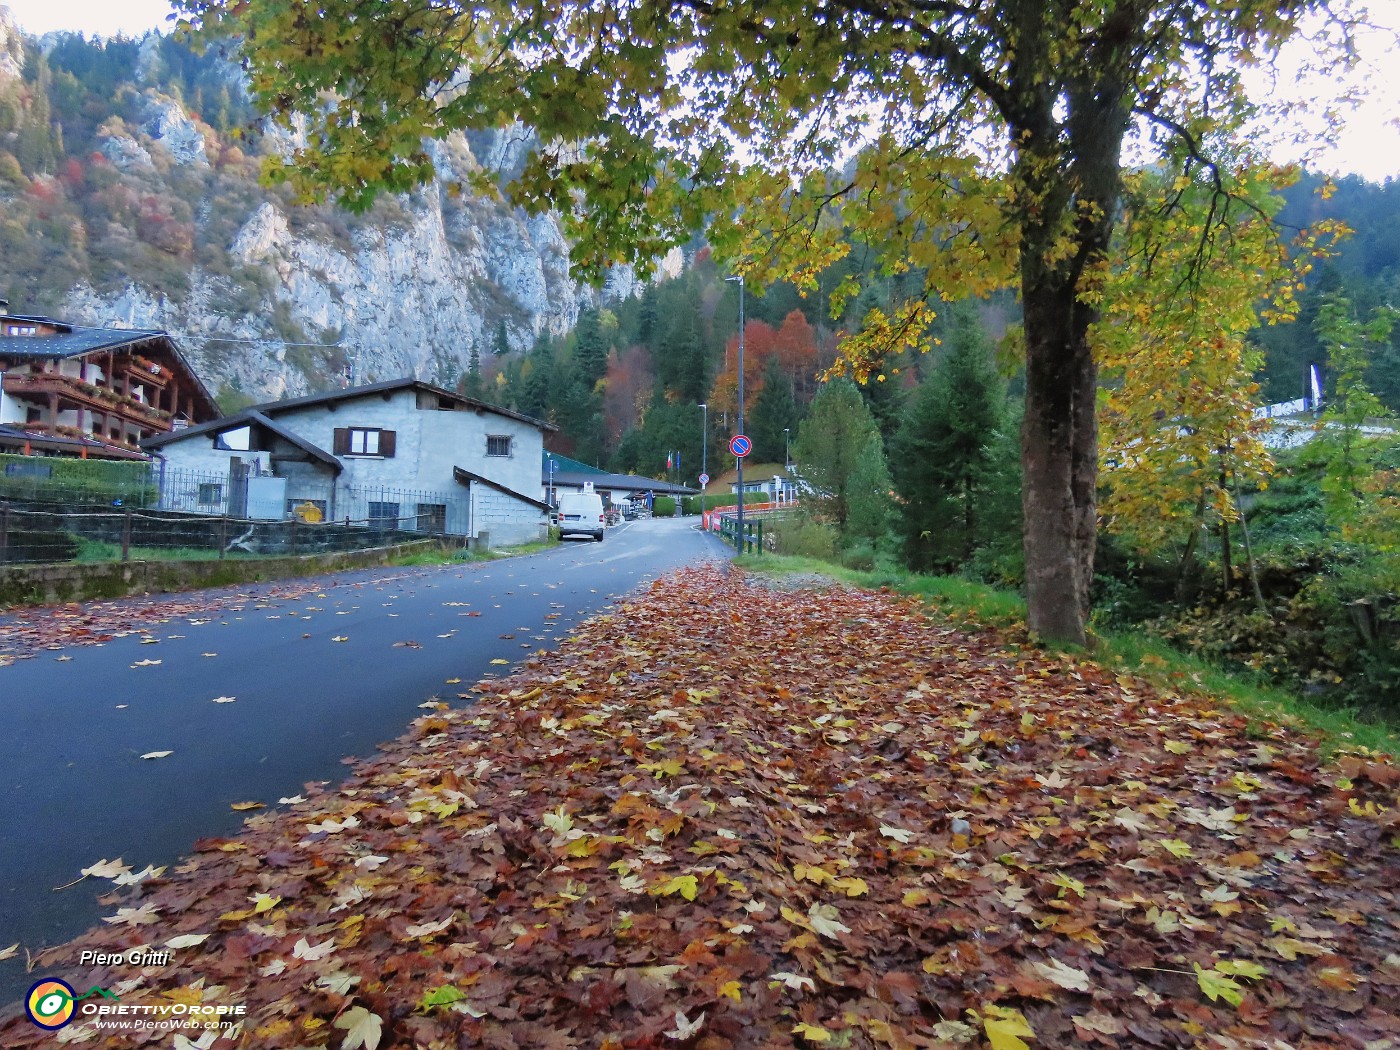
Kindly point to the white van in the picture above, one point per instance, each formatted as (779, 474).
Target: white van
(581, 514)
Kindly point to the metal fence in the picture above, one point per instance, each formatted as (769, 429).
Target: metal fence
(54, 510)
(313, 500)
(237, 493)
(34, 534)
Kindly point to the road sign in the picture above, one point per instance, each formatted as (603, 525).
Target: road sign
(740, 445)
(704, 479)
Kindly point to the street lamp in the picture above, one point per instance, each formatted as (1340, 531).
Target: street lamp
(739, 460)
(704, 449)
(787, 455)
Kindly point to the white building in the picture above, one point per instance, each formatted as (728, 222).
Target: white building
(401, 454)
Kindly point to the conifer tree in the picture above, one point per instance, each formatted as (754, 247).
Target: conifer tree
(829, 443)
(945, 450)
(774, 415)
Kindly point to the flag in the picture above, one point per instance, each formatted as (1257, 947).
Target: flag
(670, 463)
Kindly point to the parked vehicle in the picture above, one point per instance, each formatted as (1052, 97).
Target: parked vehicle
(581, 514)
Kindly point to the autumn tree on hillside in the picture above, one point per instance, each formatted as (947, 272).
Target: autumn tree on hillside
(627, 391)
(977, 145)
(795, 347)
(760, 344)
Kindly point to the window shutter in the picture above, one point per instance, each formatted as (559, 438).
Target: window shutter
(341, 444)
(386, 443)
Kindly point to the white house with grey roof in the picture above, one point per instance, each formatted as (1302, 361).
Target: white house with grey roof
(400, 454)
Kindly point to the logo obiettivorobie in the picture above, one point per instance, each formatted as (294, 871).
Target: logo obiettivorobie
(50, 1003)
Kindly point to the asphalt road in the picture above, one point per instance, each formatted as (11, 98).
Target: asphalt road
(315, 677)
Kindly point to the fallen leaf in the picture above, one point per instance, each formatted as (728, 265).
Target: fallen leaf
(1006, 1029)
(1067, 977)
(684, 1028)
(825, 920)
(186, 940)
(107, 869)
(430, 929)
(142, 916)
(304, 949)
(362, 1028)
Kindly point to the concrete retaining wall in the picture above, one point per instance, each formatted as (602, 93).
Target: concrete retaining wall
(52, 584)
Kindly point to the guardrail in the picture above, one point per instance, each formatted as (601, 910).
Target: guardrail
(711, 517)
(751, 540)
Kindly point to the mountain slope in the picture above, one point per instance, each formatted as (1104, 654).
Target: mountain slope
(129, 196)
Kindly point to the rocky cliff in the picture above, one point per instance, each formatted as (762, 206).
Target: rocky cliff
(268, 298)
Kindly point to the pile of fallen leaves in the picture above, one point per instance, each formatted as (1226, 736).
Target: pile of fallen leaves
(729, 816)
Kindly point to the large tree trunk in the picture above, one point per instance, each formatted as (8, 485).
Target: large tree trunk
(1059, 457)
(1068, 179)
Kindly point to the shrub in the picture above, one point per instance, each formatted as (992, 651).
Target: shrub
(801, 536)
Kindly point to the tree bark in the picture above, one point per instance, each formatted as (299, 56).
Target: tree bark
(1059, 457)
(1068, 177)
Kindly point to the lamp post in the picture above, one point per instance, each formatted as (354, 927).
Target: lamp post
(739, 426)
(704, 449)
(787, 454)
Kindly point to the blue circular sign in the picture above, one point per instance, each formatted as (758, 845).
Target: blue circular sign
(740, 445)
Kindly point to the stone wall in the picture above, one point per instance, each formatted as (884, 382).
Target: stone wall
(52, 584)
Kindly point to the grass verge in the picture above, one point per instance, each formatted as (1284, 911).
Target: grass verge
(977, 605)
(94, 552)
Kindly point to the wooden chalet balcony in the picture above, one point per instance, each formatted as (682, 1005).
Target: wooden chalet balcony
(116, 444)
(77, 392)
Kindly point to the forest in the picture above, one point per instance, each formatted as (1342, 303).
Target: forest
(1281, 560)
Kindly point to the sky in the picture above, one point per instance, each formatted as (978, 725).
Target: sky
(1369, 143)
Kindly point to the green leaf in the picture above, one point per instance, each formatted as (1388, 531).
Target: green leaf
(1217, 985)
(1241, 968)
(444, 996)
(686, 885)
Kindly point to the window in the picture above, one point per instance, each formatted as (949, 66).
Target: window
(432, 517)
(384, 515)
(498, 445)
(16, 329)
(364, 441)
(211, 494)
(237, 440)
